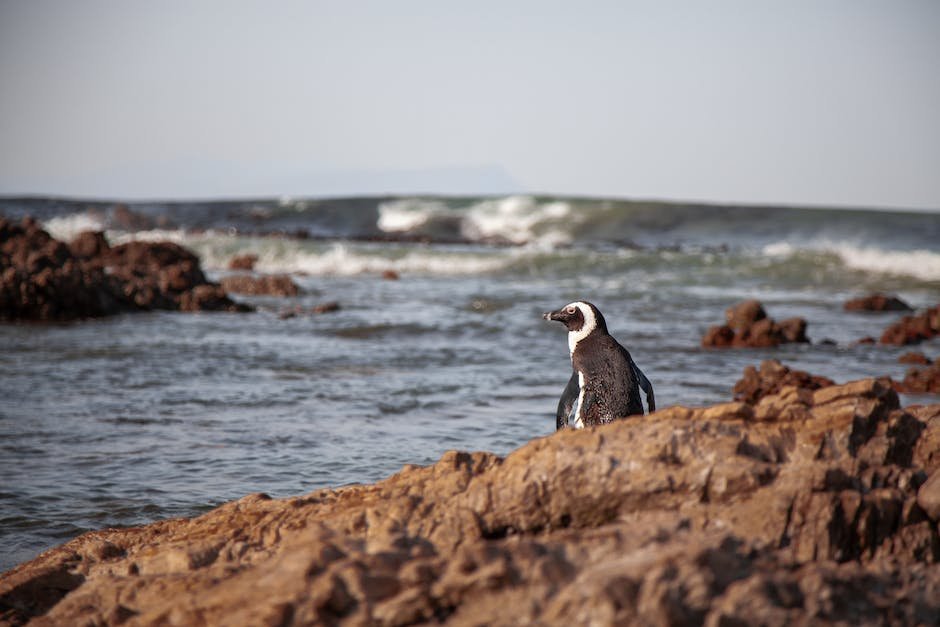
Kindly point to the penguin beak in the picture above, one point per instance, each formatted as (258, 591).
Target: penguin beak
(555, 315)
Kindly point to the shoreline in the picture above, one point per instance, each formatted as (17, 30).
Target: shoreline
(778, 510)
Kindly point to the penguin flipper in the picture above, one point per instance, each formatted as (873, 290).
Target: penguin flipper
(567, 401)
(647, 388)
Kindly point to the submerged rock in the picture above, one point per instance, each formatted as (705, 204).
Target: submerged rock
(269, 284)
(749, 327)
(812, 506)
(297, 310)
(913, 329)
(45, 279)
(914, 357)
(877, 302)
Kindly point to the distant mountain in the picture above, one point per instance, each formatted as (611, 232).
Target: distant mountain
(446, 180)
(221, 179)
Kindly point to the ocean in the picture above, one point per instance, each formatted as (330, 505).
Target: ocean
(137, 418)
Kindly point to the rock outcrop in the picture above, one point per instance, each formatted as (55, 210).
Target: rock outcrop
(45, 279)
(877, 302)
(748, 326)
(808, 507)
(773, 377)
(913, 329)
(921, 378)
(262, 285)
(243, 262)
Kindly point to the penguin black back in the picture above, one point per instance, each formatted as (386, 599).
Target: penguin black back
(605, 382)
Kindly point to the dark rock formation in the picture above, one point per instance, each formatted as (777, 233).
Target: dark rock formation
(810, 507)
(749, 327)
(269, 284)
(877, 302)
(322, 308)
(327, 307)
(771, 378)
(45, 279)
(913, 329)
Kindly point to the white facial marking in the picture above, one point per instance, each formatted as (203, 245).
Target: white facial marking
(590, 323)
(578, 420)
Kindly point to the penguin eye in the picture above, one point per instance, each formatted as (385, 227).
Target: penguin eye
(570, 309)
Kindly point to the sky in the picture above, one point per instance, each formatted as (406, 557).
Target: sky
(822, 102)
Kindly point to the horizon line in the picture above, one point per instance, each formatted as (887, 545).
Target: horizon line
(82, 198)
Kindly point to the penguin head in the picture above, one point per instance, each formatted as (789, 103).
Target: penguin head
(581, 318)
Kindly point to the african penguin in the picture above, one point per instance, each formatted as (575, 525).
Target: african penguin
(605, 383)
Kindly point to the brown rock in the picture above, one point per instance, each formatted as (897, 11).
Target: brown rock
(921, 380)
(926, 451)
(914, 357)
(761, 334)
(390, 275)
(89, 244)
(326, 307)
(270, 285)
(718, 337)
(243, 262)
(809, 508)
(928, 496)
(744, 314)
(913, 329)
(297, 310)
(44, 279)
(749, 327)
(125, 218)
(877, 302)
(793, 330)
(771, 379)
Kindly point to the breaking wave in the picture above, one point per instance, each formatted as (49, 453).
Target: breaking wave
(919, 264)
(67, 227)
(513, 219)
(521, 233)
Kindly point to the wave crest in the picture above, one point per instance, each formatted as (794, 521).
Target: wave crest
(919, 264)
(510, 219)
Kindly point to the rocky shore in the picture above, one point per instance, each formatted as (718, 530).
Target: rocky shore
(807, 502)
(44, 279)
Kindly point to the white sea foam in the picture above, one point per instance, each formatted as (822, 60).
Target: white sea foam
(517, 219)
(403, 215)
(779, 249)
(66, 228)
(177, 236)
(343, 260)
(920, 264)
(284, 255)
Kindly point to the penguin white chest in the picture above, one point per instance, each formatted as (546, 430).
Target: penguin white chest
(574, 338)
(578, 418)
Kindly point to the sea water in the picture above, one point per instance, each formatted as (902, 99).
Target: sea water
(142, 417)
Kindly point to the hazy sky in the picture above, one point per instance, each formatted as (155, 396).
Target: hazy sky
(806, 102)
